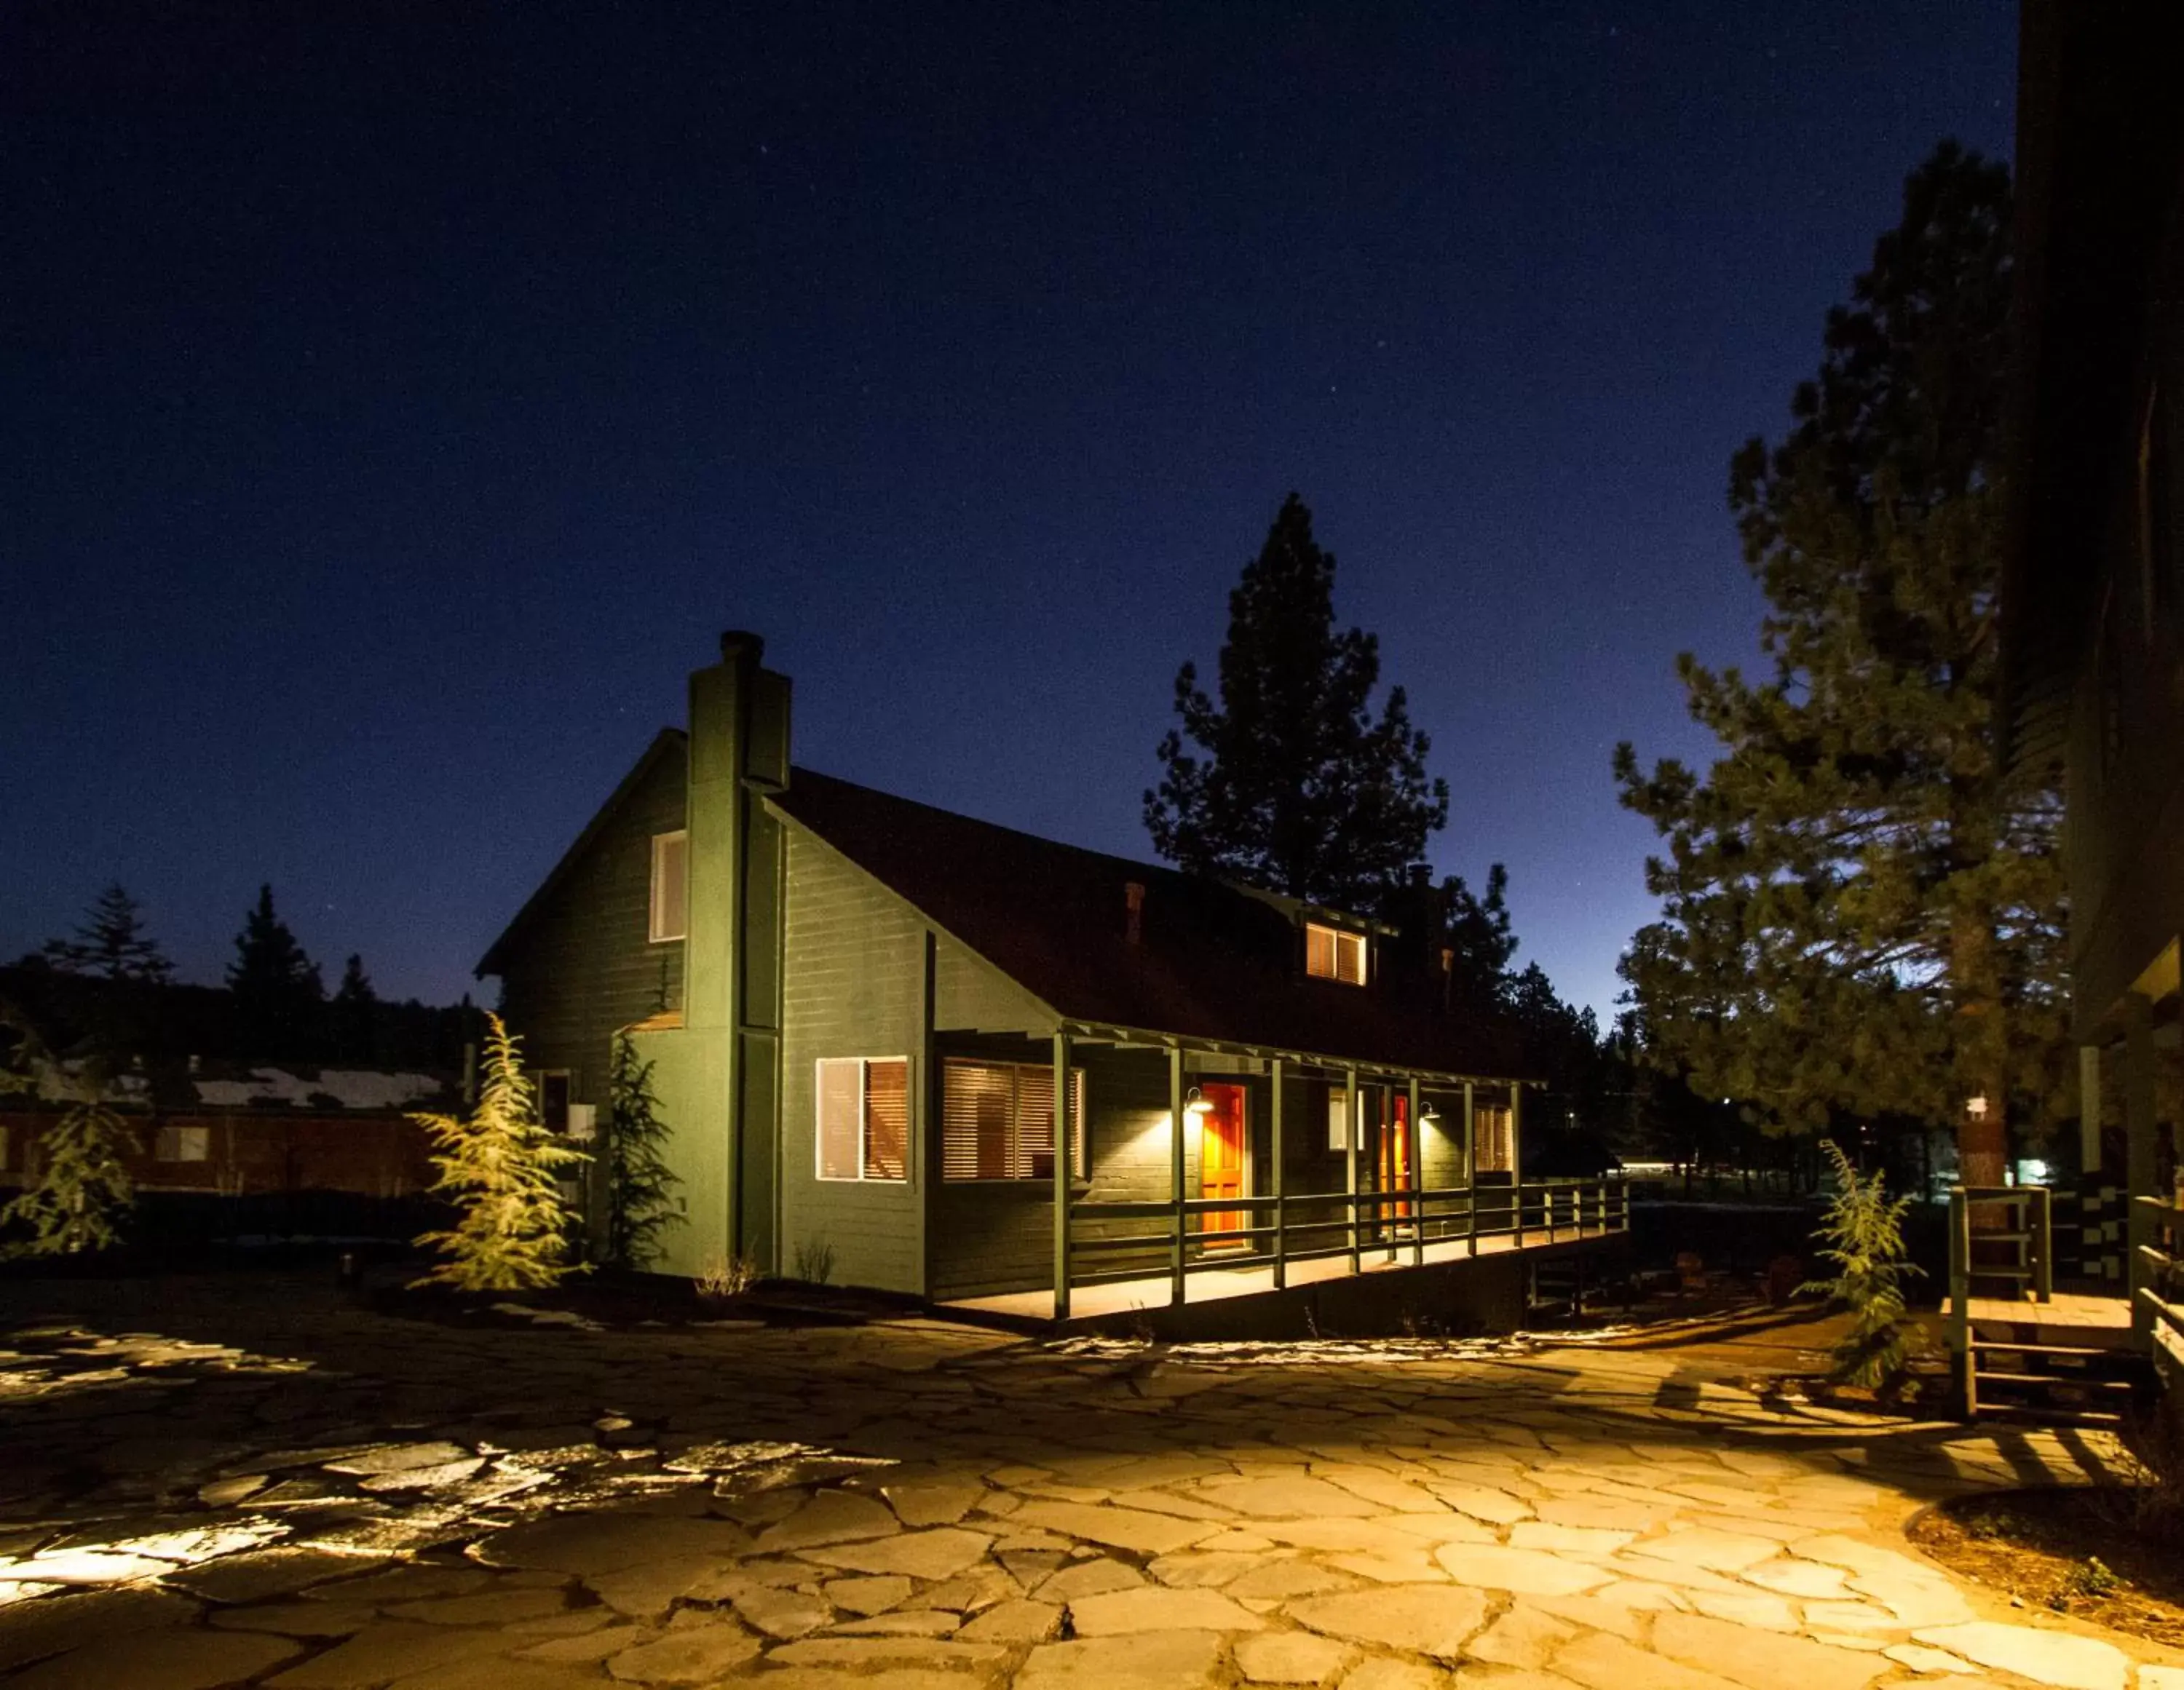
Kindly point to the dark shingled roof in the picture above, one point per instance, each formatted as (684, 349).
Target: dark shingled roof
(1214, 962)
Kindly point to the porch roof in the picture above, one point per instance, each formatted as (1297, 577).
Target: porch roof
(1212, 964)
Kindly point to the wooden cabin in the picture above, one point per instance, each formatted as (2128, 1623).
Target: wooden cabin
(967, 1064)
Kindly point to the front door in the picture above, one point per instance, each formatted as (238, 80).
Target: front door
(1395, 1161)
(1220, 1142)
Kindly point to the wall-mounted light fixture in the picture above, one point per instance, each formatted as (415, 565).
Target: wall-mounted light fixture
(1196, 1103)
(1428, 1116)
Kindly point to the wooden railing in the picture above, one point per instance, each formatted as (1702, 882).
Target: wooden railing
(2157, 1286)
(2029, 1227)
(1381, 1228)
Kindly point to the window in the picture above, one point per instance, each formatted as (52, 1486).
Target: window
(556, 1089)
(997, 1120)
(183, 1144)
(1330, 953)
(1338, 1118)
(864, 1118)
(1494, 1148)
(671, 887)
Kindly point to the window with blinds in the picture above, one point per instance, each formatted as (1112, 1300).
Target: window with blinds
(1494, 1146)
(864, 1118)
(1330, 953)
(997, 1120)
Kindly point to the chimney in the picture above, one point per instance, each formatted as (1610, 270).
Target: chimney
(1134, 908)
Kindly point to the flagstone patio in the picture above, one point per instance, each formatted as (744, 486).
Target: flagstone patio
(218, 1480)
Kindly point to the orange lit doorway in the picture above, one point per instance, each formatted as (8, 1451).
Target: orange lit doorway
(1394, 1156)
(1220, 1142)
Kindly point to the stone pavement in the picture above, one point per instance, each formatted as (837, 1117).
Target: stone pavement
(220, 1481)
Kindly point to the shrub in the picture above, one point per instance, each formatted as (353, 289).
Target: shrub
(502, 1169)
(82, 1190)
(814, 1261)
(723, 1276)
(1863, 1236)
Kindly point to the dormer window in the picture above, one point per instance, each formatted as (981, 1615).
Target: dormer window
(1330, 953)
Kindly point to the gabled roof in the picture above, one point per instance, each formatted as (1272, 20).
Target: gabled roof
(1213, 962)
(666, 741)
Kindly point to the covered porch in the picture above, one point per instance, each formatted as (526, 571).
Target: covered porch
(1193, 1171)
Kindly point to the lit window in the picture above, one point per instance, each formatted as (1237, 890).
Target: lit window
(997, 1120)
(671, 887)
(1495, 1146)
(1338, 1118)
(183, 1144)
(864, 1118)
(1330, 953)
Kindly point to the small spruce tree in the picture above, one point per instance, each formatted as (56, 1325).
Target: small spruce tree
(1864, 1236)
(83, 1190)
(502, 1169)
(639, 1182)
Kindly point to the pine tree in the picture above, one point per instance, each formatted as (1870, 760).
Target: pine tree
(502, 1169)
(1477, 930)
(353, 1012)
(277, 987)
(112, 942)
(1300, 789)
(83, 1190)
(1861, 912)
(639, 1206)
(1864, 1236)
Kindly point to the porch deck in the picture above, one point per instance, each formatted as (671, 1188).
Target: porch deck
(1209, 1281)
(2067, 1311)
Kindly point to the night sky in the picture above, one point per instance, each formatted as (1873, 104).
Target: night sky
(397, 402)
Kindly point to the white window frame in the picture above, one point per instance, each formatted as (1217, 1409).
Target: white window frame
(864, 1116)
(1341, 1119)
(661, 844)
(1342, 938)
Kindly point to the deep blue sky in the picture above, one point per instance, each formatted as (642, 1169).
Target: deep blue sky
(396, 403)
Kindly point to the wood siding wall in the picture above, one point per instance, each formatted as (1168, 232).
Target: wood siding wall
(853, 984)
(585, 966)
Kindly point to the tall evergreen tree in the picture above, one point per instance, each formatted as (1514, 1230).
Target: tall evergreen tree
(278, 989)
(1477, 930)
(1296, 785)
(112, 942)
(1862, 912)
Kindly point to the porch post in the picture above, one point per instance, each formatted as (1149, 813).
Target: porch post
(1418, 1179)
(1470, 1170)
(2141, 1150)
(1175, 1116)
(1281, 1238)
(1061, 1135)
(2089, 1112)
(1350, 1160)
(1517, 1156)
